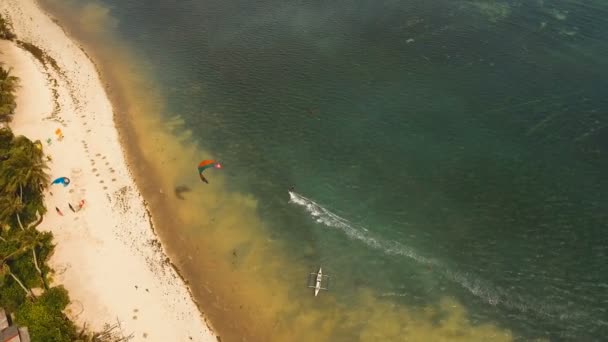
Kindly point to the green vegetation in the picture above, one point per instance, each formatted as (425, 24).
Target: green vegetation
(44, 318)
(22, 179)
(8, 85)
(5, 30)
(24, 287)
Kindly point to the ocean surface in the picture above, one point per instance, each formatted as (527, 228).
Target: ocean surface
(449, 161)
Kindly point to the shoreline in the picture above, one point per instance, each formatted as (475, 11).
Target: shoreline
(128, 141)
(61, 84)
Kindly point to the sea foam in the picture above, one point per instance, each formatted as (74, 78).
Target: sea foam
(480, 288)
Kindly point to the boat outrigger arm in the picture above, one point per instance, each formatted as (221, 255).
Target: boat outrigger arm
(315, 280)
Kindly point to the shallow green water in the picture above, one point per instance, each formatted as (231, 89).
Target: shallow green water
(443, 148)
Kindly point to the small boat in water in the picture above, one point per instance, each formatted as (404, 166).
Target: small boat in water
(317, 279)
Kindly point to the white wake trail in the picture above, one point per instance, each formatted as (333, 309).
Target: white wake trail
(326, 217)
(478, 287)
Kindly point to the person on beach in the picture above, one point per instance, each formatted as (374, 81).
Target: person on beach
(71, 208)
(59, 211)
(80, 204)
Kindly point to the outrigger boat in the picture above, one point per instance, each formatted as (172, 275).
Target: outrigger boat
(316, 279)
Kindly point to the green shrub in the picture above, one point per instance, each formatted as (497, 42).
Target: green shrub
(11, 295)
(45, 319)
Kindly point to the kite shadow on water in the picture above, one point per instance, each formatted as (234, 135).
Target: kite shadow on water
(179, 190)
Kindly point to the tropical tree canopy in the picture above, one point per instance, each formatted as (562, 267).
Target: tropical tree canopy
(8, 85)
(22, 177)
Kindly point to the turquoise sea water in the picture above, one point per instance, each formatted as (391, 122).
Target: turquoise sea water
(437, 148)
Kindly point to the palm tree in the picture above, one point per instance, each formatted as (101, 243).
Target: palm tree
(8, 85)
(35, 239)
(6, 269)
(6, 139)
(15, 247)
(24, 170)
(11, 208)
(35, 168)
(22, 175)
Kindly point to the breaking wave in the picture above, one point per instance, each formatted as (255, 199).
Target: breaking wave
(480, 288)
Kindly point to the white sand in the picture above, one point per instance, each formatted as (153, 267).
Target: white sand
(107, 255)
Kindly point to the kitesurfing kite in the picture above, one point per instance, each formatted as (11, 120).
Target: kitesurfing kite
(205, 164)
(62, 180)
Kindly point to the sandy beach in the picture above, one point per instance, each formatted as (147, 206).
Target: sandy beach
(107, 254)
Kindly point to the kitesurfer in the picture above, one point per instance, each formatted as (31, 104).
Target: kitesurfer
(203, 178)
(292, 188)
(313, 111)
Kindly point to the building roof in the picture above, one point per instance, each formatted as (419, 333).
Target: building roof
(24, 334)
(3, 320)
(10, 334)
